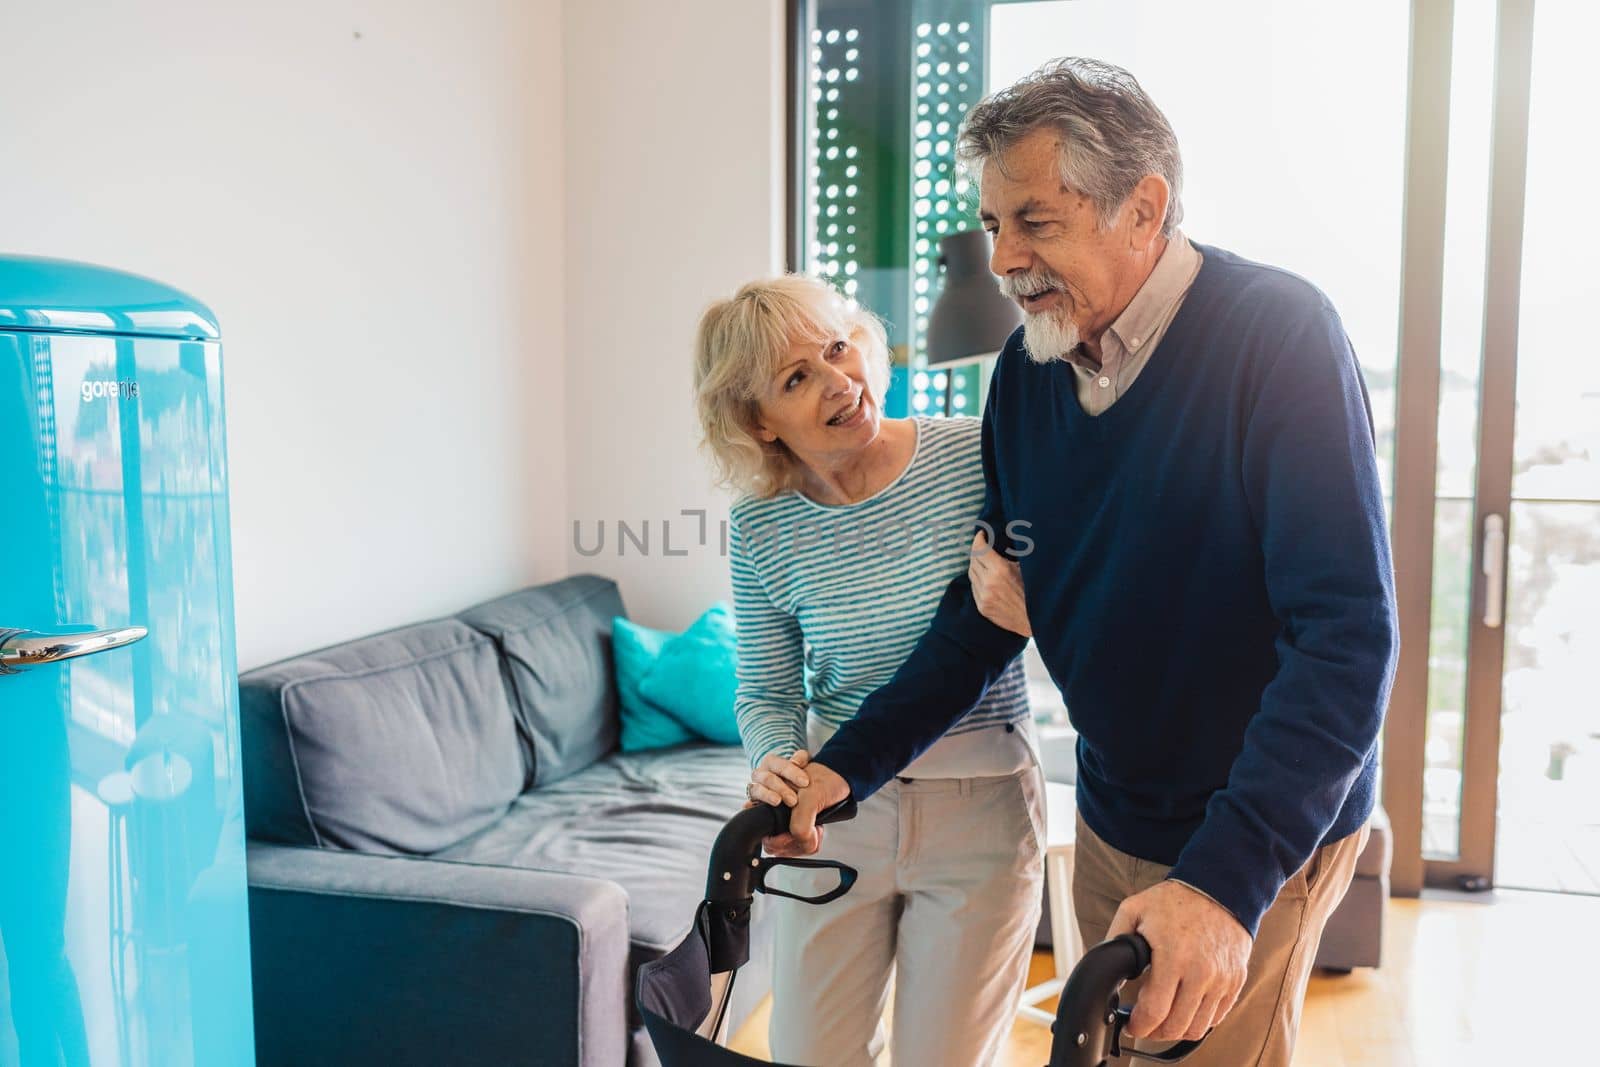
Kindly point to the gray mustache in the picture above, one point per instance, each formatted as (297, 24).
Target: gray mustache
(1030, 284)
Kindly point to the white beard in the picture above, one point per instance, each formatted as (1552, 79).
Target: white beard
(1049, 336)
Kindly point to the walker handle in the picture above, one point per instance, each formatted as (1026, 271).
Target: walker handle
(736, 869)
(1090, 1018)
(847, 878)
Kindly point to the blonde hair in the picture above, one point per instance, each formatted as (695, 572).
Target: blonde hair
(741, 344)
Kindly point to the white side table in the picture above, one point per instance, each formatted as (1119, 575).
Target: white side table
(1061, 829)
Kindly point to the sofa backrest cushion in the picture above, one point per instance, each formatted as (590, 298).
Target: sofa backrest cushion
(402, 742)
(555, 640)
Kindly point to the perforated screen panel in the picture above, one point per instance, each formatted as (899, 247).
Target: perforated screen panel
(887, 84)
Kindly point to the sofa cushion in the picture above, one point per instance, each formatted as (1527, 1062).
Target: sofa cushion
(634, 649)
(556, 642)
(645, 820)
(403, 742)
(696, 677)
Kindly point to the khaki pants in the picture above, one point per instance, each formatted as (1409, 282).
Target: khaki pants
(951, 876)
(1260, 1030)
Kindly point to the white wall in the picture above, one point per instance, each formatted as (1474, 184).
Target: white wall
(458, 253)
(369, 195)
(674, 173)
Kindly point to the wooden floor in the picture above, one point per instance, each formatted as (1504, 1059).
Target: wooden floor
(1506, 978)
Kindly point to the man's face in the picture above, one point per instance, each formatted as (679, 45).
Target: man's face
(1071, 278)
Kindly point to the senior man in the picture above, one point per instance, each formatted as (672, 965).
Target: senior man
(1187, 435)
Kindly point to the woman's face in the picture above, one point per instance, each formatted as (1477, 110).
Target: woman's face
(820, 402)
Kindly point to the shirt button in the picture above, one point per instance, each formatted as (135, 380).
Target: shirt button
(1105, 382)
(1137, 341)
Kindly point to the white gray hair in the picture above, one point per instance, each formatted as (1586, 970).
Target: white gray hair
(741, 344)
(1112, 133)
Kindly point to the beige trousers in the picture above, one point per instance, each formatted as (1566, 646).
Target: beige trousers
(951, 874)
(1260, 1030)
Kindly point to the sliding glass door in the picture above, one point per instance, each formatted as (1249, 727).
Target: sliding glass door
(1511, 792)
(1548, 827)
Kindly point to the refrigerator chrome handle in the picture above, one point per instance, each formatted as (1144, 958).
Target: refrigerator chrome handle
(1494, 570)
(22, 649)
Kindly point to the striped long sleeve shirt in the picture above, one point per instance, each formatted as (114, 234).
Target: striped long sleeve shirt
(830, 600)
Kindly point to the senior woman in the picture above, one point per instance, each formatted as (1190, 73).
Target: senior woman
(848, 528)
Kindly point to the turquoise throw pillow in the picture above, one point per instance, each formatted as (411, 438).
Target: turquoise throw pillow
(635, 650)
(695, 677)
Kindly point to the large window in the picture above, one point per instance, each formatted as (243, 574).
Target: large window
(1406, 158)
(886, 85)
(1290, 156)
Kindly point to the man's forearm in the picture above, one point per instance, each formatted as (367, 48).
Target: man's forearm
(1310, 474)
(945, 677)
(1310, 742)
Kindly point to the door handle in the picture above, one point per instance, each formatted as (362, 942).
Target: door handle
(1494, 570)
(22, 649)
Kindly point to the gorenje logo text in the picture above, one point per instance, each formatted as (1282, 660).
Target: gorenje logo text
(105, 389)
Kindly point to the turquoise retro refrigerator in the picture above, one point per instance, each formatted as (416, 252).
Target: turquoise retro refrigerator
(123, 930)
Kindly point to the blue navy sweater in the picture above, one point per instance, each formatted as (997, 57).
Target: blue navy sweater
(1207, 574)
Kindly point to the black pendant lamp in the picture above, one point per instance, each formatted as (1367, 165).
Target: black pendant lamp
(971, 319)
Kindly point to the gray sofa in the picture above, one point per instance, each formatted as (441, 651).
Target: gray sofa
(1354, 934)
(451, 862)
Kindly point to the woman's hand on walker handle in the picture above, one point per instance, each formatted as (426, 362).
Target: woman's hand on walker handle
(775, 779)
(1199, 955)
(804, 836)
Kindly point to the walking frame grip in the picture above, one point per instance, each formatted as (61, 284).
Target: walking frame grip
(847, 878)
(1090, 1018)
(738, 870)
